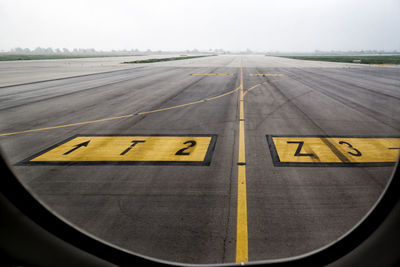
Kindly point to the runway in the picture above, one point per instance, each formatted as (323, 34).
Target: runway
(218, 159)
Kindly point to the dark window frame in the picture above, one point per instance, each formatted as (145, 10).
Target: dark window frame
(20, 197)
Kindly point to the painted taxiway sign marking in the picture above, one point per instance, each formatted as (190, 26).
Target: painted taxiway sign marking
(333, 150)
(128, 149)
(267, 74)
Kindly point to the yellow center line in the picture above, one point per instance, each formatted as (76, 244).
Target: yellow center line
(121, 117)
(241, 227)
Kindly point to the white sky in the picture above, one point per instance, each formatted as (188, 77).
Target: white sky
(268, 25)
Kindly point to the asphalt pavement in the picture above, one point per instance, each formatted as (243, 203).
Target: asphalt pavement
(208, 160)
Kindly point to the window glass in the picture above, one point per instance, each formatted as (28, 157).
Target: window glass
(203, 132)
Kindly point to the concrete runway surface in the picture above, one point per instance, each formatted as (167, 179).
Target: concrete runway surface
(241, 205)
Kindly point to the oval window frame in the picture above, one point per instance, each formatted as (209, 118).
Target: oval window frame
(24, 201)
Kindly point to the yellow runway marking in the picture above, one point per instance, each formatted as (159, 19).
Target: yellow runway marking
(122, 117)
(212, 74)
(255, 86)
(168, 108)
(68, 125)
(188, 104)
(101, 149)
(228, 93)
(320, 150)
(267, 74)
(241, 227)
(251, 88)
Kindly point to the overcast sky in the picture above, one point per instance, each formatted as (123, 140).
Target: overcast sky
(260, 25)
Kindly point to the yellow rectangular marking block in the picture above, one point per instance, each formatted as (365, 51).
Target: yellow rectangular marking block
(333, 151)
(267, 74)
(135, 149)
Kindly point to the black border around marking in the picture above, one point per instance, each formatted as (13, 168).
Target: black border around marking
(205, 162)
(278, 163)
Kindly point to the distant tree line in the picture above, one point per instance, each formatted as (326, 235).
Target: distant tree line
(49, 50)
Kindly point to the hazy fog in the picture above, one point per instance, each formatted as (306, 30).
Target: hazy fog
(269, 25)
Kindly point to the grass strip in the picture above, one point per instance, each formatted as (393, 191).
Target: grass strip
(392, 59)
(152, 60)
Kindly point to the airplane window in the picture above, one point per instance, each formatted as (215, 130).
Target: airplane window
(208, 132)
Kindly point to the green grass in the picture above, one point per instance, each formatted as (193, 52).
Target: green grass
(9, 57)
(394, 59)
(152, 60)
